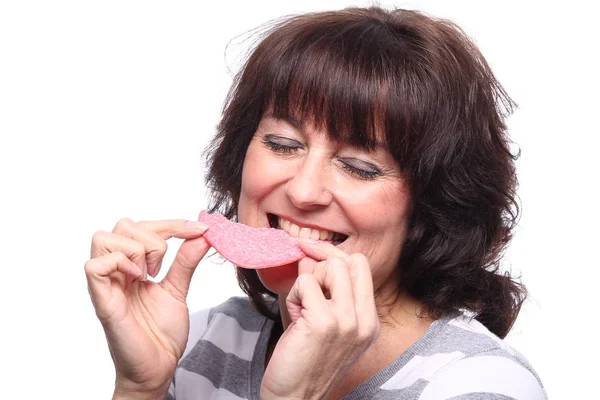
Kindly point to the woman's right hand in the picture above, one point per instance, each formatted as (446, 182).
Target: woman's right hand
(146, 323)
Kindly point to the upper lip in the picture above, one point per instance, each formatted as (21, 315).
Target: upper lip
(305, 224)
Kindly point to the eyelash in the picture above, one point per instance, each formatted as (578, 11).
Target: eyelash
(361, 173)
(280, 148)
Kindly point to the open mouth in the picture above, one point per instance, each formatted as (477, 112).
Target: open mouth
(305, 232)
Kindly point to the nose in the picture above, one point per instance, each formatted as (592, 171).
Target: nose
(308, 188)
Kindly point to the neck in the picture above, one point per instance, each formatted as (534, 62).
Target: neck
(403, 321)
(395, 311)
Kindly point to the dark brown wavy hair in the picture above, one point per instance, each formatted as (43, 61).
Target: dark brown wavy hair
(421, 83)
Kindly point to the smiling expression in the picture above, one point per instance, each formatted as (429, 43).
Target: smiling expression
(297, 179)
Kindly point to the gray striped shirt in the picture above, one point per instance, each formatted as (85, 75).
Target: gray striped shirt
(457, 358)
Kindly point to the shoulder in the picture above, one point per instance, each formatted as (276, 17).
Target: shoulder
(458, 358)
(483, 366)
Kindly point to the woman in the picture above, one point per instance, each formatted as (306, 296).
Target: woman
(383, 131)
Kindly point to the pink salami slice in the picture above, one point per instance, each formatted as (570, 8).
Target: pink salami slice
(249, 247)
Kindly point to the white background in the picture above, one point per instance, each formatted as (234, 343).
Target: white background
(106, 106)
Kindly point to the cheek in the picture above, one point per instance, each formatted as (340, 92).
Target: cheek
(252, 186)
(279, 280)
(262, 174)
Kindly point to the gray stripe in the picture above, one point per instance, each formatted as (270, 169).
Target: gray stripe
(498, 353)
(234, 374)
(452, 338)
(482, 396)
(242, 311)
(169, 397)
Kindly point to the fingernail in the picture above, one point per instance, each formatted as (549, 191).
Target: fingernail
(196, 225)
(138, 270)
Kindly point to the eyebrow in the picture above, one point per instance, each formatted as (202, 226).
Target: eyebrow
(289, 119)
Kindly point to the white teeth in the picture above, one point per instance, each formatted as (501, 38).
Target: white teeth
(281, 223)
(304, 233)
(296, 231)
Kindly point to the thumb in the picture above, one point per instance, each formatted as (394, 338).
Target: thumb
(178, 278)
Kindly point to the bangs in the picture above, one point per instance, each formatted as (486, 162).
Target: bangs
(338, 83)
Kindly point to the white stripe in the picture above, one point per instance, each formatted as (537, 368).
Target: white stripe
(420, 367)
(227, 334)
(193, 386)
(198, 324)
(488, 374)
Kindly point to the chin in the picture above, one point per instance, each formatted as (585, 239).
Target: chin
(279, 280)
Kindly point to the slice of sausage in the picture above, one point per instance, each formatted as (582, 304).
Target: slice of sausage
(249, 247)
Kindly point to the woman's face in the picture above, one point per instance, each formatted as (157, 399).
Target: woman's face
(299, 180)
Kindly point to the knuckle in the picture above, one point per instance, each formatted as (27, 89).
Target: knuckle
(122, 224)
(363, 335)
(339, 260)
(160, 247)
(327, 327)
(320, 267)
(369, 333)
(99, 236)
(348, 329)
(359, 265)
(336, 262)
(119, 256)
(329, 268)
(138, 249)
(359, 259)
(89, 266)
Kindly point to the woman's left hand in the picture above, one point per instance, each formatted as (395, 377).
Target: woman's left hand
(327, 334)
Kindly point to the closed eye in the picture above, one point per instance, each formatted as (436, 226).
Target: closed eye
(281, 144)
(361, 169)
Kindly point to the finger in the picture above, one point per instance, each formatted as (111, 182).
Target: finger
(105, 243)
(333, 276)
(320, 250)
(177, 281)
(306, 265)
(153, 235)
(177, 228)
(166, 229)
(306, 296)
(362, 287)
(100, 271)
